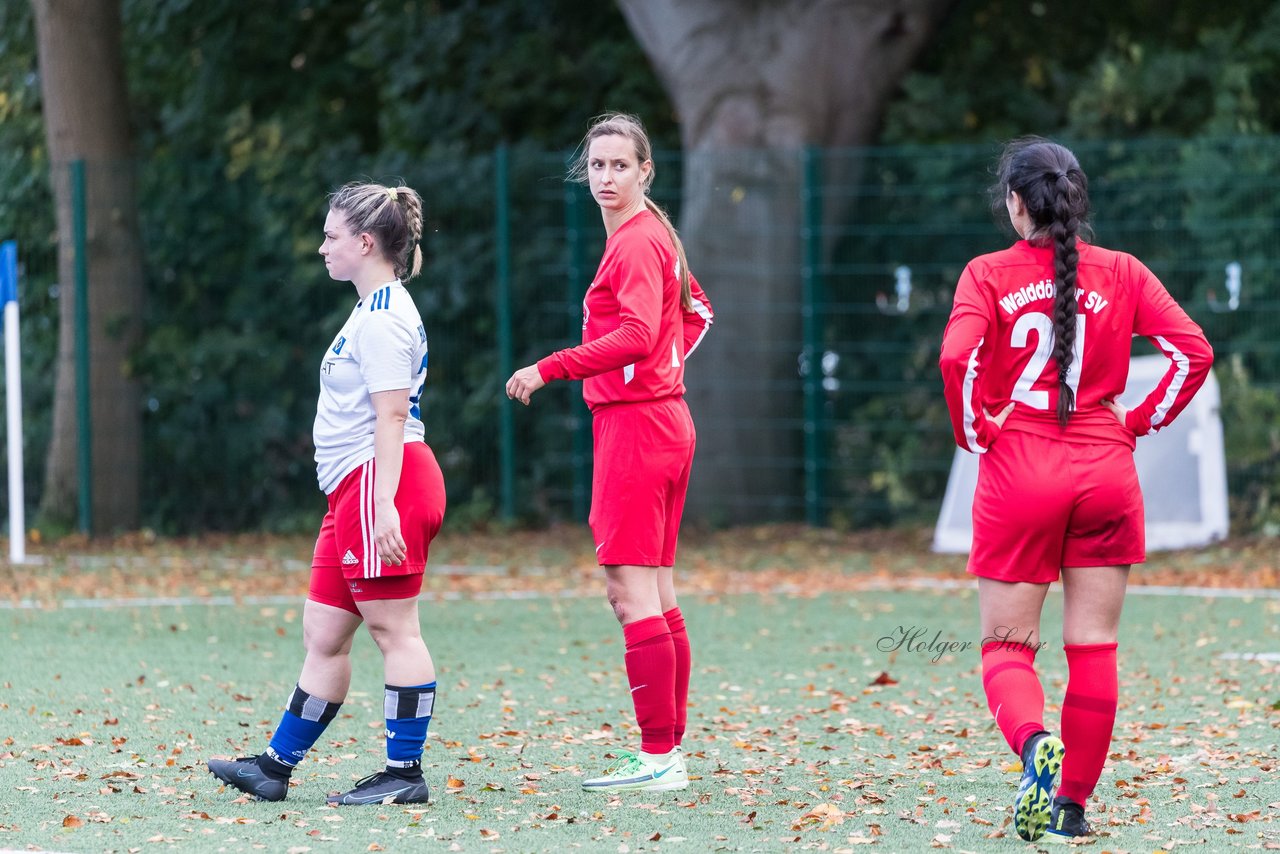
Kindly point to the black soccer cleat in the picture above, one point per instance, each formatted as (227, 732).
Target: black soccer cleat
(247, 775)
(1066, 822)
(384, 788)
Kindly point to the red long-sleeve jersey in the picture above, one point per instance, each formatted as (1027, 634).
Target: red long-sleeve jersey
(998, 347)
(635, 334)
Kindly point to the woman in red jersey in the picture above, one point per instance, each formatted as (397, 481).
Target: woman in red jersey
(1033, 358)
(642, 316)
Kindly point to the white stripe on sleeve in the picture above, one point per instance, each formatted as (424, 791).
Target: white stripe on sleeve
(1175, 385)
(970, 375)
(702, 311)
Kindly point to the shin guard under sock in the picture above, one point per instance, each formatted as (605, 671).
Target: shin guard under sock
(1088, 716)
(1013, 689)
(684, 663)
(651, 670)
(300, 727)
(408, 711)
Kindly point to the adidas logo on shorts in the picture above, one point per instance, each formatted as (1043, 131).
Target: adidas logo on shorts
(348, 559)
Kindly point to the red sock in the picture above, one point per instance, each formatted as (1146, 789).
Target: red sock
(1088, 716)
(684, 659)
(1014, 694)
(651, 671)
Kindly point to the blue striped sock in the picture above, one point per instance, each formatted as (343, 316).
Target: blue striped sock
(300, 727)
(408, 713)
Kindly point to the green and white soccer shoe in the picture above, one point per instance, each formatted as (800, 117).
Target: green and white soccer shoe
(642, 771)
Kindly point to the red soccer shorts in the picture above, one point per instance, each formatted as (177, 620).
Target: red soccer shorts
(346, 567)
(1042, 504)
(643, 456)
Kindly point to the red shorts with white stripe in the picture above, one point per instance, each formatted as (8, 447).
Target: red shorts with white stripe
(643, 456)
(1042, 504)
(346, 567)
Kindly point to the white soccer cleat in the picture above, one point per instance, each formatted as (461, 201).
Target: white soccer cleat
(642, 771)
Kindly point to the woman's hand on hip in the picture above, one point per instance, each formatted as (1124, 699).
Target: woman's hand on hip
(1119, 410)
(524, 383)
(1000, 417)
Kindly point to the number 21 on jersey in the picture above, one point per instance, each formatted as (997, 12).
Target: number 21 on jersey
(1042, 324)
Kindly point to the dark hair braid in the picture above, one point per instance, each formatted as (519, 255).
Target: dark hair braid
(1063, 231)
(1055, 191)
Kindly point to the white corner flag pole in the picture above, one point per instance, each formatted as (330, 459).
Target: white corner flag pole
(13, 398)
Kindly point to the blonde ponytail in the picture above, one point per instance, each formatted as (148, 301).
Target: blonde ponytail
(682, 270)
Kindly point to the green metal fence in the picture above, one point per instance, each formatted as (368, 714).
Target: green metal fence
(239, 307)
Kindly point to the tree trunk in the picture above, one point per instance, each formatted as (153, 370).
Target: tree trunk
(754, 83)
(87, 118)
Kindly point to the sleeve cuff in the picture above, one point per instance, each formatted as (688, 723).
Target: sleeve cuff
(986, 433)
(1130, 422)
(550, 369)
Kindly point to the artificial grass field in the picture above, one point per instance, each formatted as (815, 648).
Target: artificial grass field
(797, 739)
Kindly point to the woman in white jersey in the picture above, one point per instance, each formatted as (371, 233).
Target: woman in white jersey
(386, 503)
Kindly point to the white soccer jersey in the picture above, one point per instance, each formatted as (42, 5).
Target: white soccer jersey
(382, 347)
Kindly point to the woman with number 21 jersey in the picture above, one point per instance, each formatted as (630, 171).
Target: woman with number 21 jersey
(1034, 356)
